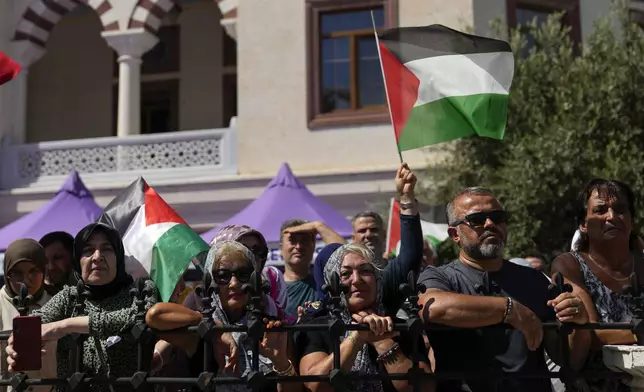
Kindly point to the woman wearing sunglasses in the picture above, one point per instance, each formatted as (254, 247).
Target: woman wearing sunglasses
(255, 241)
(230, 265)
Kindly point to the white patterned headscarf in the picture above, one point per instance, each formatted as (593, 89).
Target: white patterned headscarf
(363, 363)
(245, 353)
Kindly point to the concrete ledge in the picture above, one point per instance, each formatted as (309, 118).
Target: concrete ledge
(627, 359)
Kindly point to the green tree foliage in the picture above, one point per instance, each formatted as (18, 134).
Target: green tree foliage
(572, 116)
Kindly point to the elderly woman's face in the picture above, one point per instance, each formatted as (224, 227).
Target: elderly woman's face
(25, 272)
(98, 260)
(231, 273)
(359, 275)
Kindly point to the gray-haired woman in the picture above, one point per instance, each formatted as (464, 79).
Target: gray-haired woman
(377, 351)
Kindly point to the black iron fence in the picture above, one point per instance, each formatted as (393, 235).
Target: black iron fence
(142, 379)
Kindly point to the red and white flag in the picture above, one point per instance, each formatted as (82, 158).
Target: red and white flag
(434, 232)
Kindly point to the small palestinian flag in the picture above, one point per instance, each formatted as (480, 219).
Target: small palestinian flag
(9, 69)
(443, 84)
(158, 242)
(435, 233)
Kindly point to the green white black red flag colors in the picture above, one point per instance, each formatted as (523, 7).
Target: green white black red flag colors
(158, 242)
(443, 84)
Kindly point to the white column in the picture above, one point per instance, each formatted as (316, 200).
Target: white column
(129, 104)
(627, 359)
(130, 45)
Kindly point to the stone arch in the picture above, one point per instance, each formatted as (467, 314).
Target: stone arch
(41, 16)
(148, 14)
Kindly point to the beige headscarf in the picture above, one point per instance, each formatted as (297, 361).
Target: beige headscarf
(24, 249)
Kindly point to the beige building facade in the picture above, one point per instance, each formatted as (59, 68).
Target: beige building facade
(206, 98)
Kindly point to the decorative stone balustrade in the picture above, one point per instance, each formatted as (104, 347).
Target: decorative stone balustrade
(184, 155)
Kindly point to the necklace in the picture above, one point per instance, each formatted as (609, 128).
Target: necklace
(607, 271)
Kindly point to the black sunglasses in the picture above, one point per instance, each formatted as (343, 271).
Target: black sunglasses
(478, 219)
(224, 276)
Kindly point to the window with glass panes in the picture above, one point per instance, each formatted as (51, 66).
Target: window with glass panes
(345, 75)
(351, 77)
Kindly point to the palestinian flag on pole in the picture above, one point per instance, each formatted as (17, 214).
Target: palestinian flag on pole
(443, 84)
(9, 69)
(158, 242)
(435, 233)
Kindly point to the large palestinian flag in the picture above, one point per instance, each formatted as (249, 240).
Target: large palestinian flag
(158, 242)
(9, 69)
(443, 84)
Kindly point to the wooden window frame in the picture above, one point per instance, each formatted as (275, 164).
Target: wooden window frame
(315, 117)
(571, 18)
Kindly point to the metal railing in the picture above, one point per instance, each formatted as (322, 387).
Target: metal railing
(207, 381)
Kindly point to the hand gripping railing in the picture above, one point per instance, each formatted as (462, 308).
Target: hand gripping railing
(79, 378)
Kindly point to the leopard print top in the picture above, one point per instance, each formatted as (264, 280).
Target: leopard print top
(109, 349)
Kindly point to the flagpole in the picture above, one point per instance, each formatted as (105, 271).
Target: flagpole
(384, 80)
(391, 214)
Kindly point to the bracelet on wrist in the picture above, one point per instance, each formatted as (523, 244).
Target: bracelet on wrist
(509, 305)
(390, 354)
(290, 370)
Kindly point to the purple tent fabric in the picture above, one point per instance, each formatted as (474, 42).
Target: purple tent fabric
(284, 198)
(70, 210)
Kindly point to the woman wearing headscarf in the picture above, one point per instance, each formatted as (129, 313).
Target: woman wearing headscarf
(604, 254)
(256, 243)
(109, 315)
(25, 263)
(318, 268)
(230, 265)
(373, 352)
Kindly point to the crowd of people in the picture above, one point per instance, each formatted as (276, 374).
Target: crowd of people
(479, 289)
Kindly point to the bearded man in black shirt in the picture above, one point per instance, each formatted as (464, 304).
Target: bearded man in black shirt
(482, 289)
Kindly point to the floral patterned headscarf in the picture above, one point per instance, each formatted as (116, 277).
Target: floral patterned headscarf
(236, 232)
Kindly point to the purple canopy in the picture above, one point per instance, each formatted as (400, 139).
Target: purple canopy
(70, 210)
(284, 198)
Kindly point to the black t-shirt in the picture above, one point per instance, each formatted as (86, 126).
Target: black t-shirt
(195, 364)
(489, 349)
(320, 341)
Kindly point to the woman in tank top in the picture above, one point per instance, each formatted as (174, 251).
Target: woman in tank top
(601, 262)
